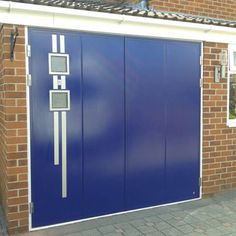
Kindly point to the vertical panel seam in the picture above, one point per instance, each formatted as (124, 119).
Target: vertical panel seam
(125, 128)
(82, 118)
(165, 117)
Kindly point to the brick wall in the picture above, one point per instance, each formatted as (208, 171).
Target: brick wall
(219, 141)
(3, 164)
(13, 140)
(225, 9)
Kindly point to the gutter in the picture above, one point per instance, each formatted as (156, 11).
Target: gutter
(10, 10)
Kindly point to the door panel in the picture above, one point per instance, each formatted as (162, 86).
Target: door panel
(182, 120)
(103, 120)
(133, 129)
(46, 178)
(145, 140)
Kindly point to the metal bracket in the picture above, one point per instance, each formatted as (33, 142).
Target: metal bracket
(200, 181)
(201, 83)
(14, 35)
(31, 207)
(28, 50)
(201, 60)
(29, 80)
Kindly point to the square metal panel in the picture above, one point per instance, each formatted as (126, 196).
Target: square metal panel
(59, 100)
(58, 64)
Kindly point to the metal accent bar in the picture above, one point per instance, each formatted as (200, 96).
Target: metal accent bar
(55, 114)
(63, 82)
(54, 43)
(55, 82)
(56, 138)
(64, 154)
(62, 44)
(64, 129)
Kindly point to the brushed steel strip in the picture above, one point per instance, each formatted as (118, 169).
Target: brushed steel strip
(55, 114)
(56, 138)
(63, 82)
(54, 43)
(64, 154)
(62, 44)
(55, 82)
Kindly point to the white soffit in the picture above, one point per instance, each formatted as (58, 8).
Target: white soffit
(89, 21)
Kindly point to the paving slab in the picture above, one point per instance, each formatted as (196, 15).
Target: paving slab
(207, 217)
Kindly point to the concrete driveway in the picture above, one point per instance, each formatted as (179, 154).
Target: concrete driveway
(215, 216)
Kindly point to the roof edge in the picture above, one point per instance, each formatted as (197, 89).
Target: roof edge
(90, 21)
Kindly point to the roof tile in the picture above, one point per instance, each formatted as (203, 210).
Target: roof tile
(128, 9)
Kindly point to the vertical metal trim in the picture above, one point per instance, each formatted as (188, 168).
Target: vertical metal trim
(63, 82)
(56, 138)
(55, 82)
(64, 129)
(62, 44)
(64, 154)
(54, 43)
(55, 114)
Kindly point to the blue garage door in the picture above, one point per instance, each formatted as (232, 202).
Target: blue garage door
(115, 124)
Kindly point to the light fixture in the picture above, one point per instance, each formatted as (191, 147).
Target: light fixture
(223, 62)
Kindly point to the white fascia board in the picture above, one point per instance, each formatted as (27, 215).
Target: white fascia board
(89, 21)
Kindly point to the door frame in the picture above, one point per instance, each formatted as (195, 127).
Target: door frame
(29, 135)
